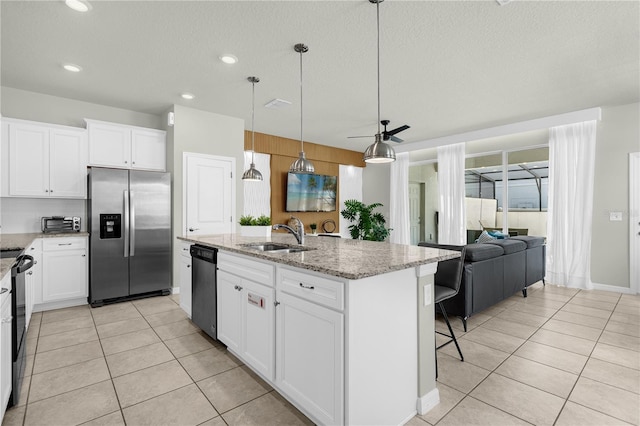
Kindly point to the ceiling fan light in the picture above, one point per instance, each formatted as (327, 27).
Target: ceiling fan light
(252, 174)
(379, 152)
(302, 165)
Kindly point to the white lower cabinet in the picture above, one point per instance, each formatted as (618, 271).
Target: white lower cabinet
(33, 279)
(246, 311)
(310, 344)
(185, 278)
(6, 365)
(64, 269)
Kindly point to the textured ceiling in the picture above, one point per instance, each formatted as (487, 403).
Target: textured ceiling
(447, 66)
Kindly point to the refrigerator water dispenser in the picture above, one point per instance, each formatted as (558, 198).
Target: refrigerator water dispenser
(110, 226)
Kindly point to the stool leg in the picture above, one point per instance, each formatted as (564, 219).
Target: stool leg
(446, 319)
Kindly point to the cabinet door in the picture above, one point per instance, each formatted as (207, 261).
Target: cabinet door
(309, 357)
(6, 365)
(35, 251)
(67, 164)
(148, 149)
(28, 160)
(229, 288)
(64, 275)
(258, 327)
(109, 145)
(185, 284)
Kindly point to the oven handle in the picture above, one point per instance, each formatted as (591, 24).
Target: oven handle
(20, 264)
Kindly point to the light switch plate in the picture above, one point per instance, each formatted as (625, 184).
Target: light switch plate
(427, 294)
(615, 216)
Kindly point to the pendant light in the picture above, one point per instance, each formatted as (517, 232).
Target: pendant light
(301, 165)
(252, 175)
(379, 151)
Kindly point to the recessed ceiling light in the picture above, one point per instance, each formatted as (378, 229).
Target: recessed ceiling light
(188, 96)
(228, 58)
(72, 67)
(78, 5)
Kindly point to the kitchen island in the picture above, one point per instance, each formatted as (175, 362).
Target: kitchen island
(344, 329)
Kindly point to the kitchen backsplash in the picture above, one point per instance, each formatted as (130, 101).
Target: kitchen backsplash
(20, 215)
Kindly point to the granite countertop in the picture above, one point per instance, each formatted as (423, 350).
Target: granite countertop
(21, 241)
(340, 257)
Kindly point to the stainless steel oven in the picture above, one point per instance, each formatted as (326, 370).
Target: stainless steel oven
(23, 263)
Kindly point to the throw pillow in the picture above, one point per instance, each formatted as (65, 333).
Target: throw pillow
(499, 235)
(484, 237)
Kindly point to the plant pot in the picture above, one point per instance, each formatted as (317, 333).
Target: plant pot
(255, 231)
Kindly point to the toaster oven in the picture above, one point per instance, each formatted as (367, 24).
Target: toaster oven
(60, 224)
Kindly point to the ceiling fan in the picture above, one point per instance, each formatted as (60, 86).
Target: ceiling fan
(387, 134)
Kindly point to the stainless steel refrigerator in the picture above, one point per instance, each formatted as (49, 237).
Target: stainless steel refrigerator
(130, 234)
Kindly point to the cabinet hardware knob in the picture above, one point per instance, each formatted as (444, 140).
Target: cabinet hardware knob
(125, 162)
(188, 266)
(51, 190)
(237, 287)
(276, 303)
(133, 162)
(310, 287)
(46, 190)
(84, 255)
(30, 273)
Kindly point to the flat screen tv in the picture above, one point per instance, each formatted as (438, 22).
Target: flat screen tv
(311, 193)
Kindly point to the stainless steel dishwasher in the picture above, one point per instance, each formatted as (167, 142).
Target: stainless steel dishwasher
(204, 308)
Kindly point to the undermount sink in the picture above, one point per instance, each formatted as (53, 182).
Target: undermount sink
(276, 248)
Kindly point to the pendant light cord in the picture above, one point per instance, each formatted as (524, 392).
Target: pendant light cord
(378, 21)
(301, 140)
(253, 113)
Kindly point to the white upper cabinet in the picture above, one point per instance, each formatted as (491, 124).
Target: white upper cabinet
(44, 160)
(126, 147)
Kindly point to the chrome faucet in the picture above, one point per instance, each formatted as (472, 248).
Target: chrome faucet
(299, 234)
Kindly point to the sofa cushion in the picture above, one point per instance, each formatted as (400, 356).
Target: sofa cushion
(529, 240)
(509, 246)
(478, 252)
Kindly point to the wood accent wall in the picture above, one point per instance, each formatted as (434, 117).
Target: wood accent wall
(284, 151)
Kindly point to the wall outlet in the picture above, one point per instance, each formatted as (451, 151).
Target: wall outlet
(615, 216)
(427, 294)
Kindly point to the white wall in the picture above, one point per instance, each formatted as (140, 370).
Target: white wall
(205, 133)
(34, 106)
(618, 135)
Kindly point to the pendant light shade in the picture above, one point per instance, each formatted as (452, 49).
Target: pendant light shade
(379, 151)
(252, 175)
(301, 165)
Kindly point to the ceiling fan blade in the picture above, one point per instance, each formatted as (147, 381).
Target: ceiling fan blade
(354, 137)
(397, 130)
(396, 139)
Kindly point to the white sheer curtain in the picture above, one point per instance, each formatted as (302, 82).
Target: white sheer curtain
(350, 188)
(570, 209)
(257, 195)
(451, 210)
(399, 200)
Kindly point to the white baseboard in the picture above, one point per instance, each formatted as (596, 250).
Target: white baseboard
(41, 307)
(428, 401)
(613, 288)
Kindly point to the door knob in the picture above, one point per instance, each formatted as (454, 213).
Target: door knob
(193, 229)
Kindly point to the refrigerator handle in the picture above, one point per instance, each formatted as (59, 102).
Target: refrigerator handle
(132, 225)
(126, 223)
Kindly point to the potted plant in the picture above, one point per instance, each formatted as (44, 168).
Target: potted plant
(368, 225)
(313, 227)
(255, 226)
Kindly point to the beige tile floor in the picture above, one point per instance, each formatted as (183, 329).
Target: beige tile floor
(560, 356)
(138, 363)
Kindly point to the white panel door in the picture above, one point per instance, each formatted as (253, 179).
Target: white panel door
(229, 292)
(185, 284)
(414, 212)
(68, 165)
(64, 275)
(210, 195)
(28, 160)
(258, 327)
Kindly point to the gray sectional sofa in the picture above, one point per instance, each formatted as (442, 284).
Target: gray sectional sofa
(494, 271)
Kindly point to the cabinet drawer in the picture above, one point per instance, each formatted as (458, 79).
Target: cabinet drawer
(184, 249)
(312, 288)
(256, 271)
(49, 244)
